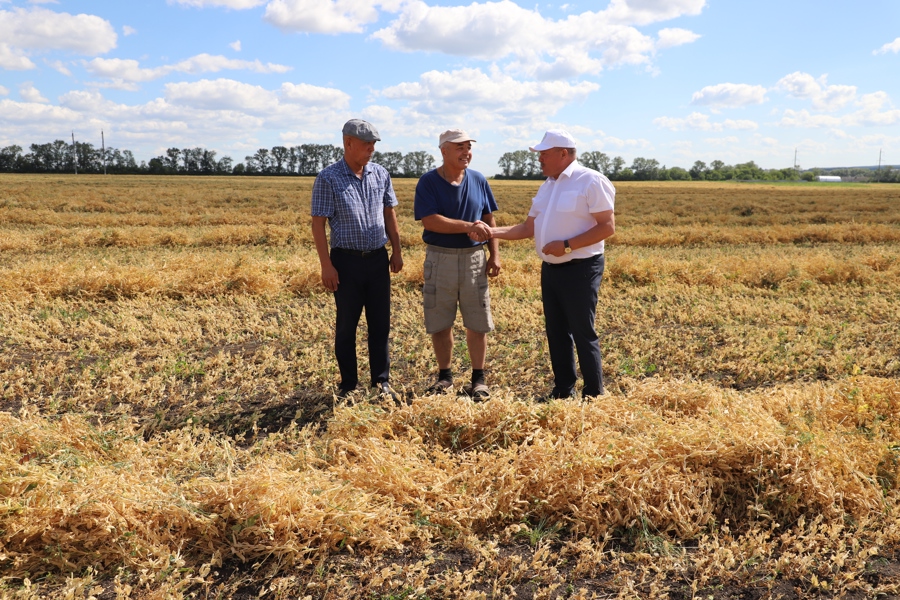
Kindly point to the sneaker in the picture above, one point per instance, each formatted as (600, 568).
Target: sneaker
(478, 391)
(441, 386)
(386, 391)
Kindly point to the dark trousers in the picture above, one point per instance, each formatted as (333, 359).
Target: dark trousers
(365, 282)
(569, 293)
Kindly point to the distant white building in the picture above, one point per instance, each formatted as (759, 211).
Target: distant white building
(833, 178)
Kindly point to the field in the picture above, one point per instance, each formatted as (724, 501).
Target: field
(168, 427)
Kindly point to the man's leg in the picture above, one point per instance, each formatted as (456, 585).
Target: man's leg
(443, 347)
(554, 290)
(348, 300)
(378, 315)
(581, 310)
(477, 343)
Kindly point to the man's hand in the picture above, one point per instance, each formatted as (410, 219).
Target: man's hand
(493, 266)
(330, 278)
(396, 262)
(554, 248)
(480, 231)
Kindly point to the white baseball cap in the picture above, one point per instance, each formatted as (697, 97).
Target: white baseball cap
(454, 136)
(555, 138)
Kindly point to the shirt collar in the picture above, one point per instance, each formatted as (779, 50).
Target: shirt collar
(367, 168)
(568, 170)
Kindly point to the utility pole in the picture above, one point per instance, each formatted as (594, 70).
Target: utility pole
(879, 158)
(796, 166)
(74, 154)
(103, 146)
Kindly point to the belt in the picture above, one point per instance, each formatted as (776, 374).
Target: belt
(445, 250)
(357, 252)
(573, 261)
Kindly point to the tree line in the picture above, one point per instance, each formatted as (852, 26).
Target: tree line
(60, 156)
(523, 164)
(306, 159)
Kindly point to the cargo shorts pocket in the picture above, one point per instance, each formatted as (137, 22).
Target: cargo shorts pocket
(429, 296)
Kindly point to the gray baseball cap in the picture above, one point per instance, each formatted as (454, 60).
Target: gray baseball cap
(362, 130)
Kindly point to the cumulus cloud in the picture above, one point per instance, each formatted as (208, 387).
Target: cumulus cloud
(872, 110)
(128, 30)
(130, 71)
(889, 47)
(540, 47)
(700, 122)
(824, 97)
(311, 95)
(235, 45)
(455, 92)
(29, 93)
(233, 4)
(221, 94)
(644, 12)
(730, 95)
(43, 29)
(14, 60)
(3, 91)
(671, 37)
(321, 16)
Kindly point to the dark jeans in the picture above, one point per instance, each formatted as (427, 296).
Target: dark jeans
(365, 282)
(569, 293)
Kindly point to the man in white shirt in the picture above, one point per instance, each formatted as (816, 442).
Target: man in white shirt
(571, 215)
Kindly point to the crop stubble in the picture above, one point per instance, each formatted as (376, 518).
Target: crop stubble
(749, 343)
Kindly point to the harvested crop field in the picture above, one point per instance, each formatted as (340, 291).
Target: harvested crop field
(168, 427)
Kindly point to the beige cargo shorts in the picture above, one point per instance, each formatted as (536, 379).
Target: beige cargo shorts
(456, 277)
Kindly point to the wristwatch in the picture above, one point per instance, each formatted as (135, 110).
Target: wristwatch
(568, 247)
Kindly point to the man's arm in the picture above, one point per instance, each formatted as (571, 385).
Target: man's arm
(521, 231)
(605, 227)
(329, 273)
(441, 224)
(392, 229)
(493, 244)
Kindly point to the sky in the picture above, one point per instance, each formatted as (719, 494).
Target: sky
(673, 80)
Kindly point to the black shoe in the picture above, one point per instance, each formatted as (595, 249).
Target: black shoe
(344, 393)
(386, 391)
(554, 394)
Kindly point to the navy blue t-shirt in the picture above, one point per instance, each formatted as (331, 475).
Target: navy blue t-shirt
(467, 202)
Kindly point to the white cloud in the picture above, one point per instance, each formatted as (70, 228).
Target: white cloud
(233, 4)
(889, 47)
(42, 29)
(129, 70)
(873, 110)
(128, 30)
(700, 122)
(3, 91)
(671, 37)
(235, 45)
(644, 12)
(730, 95)
(321, 16)
(455, 93)
(221, 94)
(13, 60)
(60, 67)
(311, 95)
(29, 93)
(824, 97)
(539, 47)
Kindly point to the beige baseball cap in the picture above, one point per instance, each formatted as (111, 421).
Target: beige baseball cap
(454, 136)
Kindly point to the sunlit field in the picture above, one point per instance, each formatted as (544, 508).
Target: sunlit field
(168, 427)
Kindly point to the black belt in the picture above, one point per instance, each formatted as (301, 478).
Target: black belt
(573, 261)
(357, 252)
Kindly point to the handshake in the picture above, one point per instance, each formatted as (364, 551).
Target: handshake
(480, 232)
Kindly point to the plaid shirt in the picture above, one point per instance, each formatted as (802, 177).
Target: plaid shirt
(354, 207)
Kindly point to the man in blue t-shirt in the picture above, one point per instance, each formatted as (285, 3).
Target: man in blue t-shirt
(453, 202)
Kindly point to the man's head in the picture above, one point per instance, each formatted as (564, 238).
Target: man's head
(456, 149)
(557, 152)
(359, 141)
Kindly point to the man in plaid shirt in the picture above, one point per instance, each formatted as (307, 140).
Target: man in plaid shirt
(357, 200)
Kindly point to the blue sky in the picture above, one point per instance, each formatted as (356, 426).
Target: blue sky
(674, 80)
